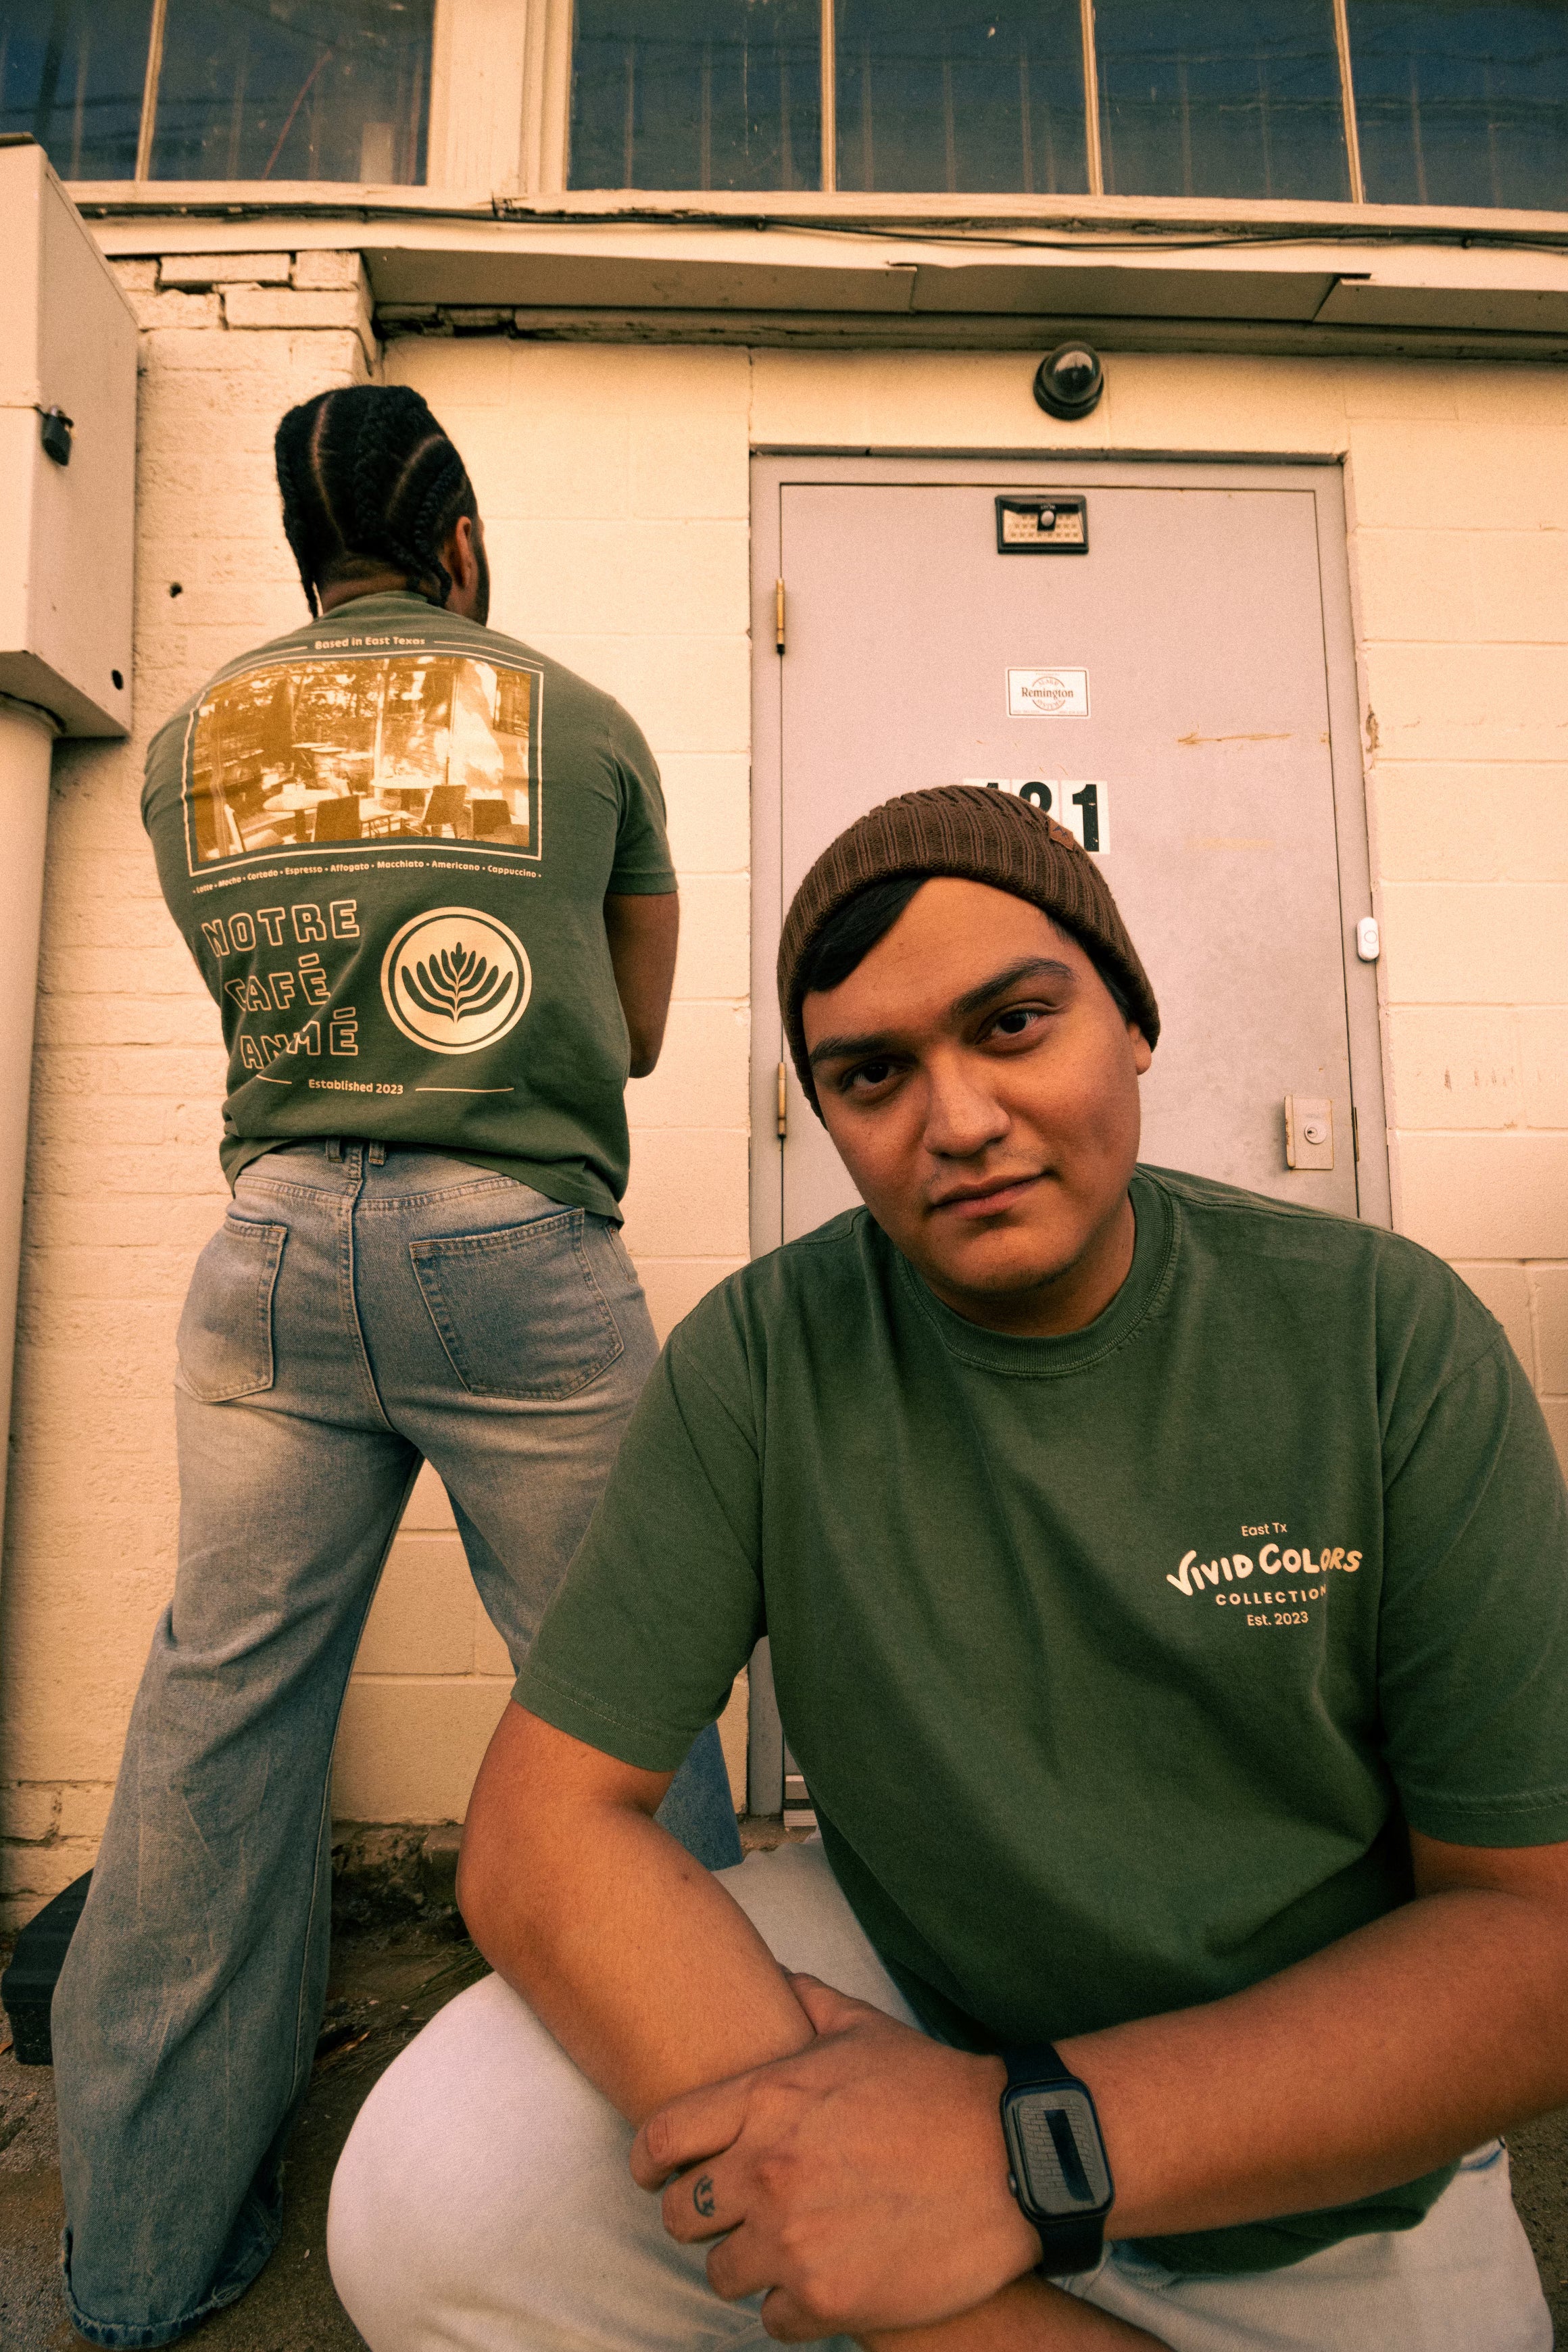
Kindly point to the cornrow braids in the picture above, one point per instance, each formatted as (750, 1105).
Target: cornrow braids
(294, 525)
(369, 479)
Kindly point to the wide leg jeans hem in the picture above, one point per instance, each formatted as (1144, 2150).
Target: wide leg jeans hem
(122, 2336)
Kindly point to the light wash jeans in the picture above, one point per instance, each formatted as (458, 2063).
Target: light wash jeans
(484, 2203)
(360, 1309)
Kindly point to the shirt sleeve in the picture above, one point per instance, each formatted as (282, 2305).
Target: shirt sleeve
(163, 815)
(1473, 1659)
(642, 866)
(662, 1604)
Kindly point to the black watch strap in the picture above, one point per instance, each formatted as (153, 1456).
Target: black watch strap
(1067, 2247)
(1036, 2068)
(1070, 2243)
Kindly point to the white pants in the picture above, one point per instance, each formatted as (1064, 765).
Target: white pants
(483, 2203)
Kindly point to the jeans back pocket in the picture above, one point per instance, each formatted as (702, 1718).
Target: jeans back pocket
(225, 1342)
(519, 1312)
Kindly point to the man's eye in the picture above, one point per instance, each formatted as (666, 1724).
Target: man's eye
(869, 1075)
(1016, 1020)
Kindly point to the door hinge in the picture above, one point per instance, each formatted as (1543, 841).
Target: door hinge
(1355, 1134)
(781, 1119)
(779, 614)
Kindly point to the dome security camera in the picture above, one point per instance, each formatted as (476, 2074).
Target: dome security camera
(1070, 381)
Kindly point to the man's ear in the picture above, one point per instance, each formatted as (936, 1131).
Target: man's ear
(461, 557)
(1142, 1052)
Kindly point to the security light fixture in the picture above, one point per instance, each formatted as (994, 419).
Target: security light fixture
(55, 433)
(1053, 523)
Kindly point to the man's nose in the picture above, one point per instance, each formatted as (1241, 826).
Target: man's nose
(963, 1114)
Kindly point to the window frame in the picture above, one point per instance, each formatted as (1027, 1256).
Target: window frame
(474, 60)
(518, 89)
(561, 11)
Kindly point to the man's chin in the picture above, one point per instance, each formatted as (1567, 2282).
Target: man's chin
(997, 1266)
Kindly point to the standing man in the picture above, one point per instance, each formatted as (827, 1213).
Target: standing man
(1168, 1595)
(424, 871)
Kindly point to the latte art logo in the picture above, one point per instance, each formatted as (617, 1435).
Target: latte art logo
(454, 981)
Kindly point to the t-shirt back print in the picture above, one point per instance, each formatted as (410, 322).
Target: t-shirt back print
(388, 838)
(372, 747)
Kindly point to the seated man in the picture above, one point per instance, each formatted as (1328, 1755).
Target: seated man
(1168, 1596)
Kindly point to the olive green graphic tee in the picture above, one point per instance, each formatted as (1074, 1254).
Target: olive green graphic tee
(1115, 1663)
(387, 838)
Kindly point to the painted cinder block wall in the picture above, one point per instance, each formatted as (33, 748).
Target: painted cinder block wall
(615, 498)
(613, 480)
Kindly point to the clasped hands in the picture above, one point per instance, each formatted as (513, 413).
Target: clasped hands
(861, 2184)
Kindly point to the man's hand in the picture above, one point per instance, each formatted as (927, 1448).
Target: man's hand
(652, 1978)
(861, 2184)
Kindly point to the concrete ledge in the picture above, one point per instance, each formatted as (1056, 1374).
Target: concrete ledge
(438, 1862)
(385, 1873)
(787, 327)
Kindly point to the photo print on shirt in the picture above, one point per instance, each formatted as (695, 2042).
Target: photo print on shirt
(372, 748)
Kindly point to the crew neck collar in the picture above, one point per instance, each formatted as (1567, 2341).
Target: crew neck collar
(1148, 1277)
(382, 596)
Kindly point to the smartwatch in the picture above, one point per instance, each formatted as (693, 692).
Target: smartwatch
(1059, 2171)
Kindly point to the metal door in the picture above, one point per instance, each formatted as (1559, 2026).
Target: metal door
(1170, 669)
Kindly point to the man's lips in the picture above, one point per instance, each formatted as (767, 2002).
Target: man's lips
(985, 1201)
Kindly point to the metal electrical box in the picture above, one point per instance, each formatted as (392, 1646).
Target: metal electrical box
(68, 457)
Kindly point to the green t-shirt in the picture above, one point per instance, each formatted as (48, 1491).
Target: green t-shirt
(387, 838)
(1115, 1663)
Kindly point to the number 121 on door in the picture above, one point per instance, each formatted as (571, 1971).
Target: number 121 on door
(1083, 807)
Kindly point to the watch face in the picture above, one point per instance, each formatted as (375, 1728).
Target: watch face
(1056, 2151)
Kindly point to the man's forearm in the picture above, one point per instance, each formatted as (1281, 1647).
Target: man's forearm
(1373, 2062)
(643, 935)
(654, 1982)
(647, 1974)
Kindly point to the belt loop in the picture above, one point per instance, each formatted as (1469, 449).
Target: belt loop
(335, 1149)
(378, 1155)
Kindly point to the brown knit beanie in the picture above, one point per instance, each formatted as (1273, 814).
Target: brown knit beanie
(978, 835)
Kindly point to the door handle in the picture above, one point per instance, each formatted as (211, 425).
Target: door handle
(1308, 1131)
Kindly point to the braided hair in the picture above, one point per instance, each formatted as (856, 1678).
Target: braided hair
(370, 482)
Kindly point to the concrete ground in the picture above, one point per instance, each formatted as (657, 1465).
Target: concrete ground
(386, 1984)
(388, 1981)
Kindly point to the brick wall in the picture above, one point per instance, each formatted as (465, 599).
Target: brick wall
(614, 483)
(1459, 554)
(613, 487)
(123, 1185)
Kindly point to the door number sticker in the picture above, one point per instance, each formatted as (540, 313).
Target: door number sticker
(1048, 694)
(1083, 807)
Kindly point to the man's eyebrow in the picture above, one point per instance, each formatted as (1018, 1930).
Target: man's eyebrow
(1026, 968)
(841, 1049)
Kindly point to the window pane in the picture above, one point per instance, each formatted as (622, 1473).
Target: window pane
(294, 90)
(1221, 98)
(937, 94)
(697, 94)
(71, 74)
(1464, 103)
